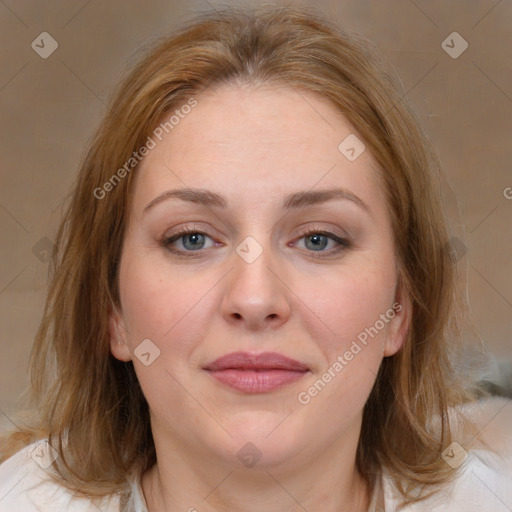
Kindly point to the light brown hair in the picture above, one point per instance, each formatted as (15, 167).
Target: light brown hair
(93, 402)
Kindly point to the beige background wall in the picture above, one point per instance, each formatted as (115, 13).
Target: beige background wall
(50, 107)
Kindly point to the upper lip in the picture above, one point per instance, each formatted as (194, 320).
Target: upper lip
(263, 361)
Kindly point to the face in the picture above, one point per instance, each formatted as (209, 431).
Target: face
(310, 277)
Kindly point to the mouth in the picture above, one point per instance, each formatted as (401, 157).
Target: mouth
(256, 373)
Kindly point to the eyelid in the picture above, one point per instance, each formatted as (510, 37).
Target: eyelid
(317, 228)
(187, 228)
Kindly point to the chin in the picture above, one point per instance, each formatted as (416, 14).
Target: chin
(268, 442)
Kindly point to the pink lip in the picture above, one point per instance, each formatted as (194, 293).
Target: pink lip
(256, 373)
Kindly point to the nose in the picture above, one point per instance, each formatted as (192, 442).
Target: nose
(256, 294)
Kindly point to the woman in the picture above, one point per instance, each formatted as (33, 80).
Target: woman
(253, 304)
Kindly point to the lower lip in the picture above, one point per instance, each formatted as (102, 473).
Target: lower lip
(252, 381)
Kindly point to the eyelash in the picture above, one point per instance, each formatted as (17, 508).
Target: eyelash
(344, 243)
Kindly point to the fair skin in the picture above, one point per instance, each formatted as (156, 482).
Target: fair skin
(253, 146)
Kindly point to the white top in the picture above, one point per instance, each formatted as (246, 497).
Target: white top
(483, 484)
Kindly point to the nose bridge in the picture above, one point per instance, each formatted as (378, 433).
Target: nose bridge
(253, 263)
(255, 292)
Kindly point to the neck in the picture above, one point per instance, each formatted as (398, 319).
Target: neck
(234, 494)
(196, 482)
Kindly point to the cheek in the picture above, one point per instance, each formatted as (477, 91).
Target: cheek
(170, 308)
(351, 303)
(159, 303)
(352, 346)
(358, 308)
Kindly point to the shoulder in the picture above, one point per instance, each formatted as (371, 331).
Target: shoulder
(491, 430)
(485, 474)
(26, 484)
(481, 453)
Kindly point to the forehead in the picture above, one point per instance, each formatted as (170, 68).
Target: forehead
(256, 144)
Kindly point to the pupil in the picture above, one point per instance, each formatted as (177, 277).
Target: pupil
(195, 238)
(319, 241)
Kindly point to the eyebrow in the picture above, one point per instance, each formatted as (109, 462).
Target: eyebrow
(291, 201)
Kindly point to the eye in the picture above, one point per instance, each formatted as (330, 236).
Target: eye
(317, 241)
(189, 239)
